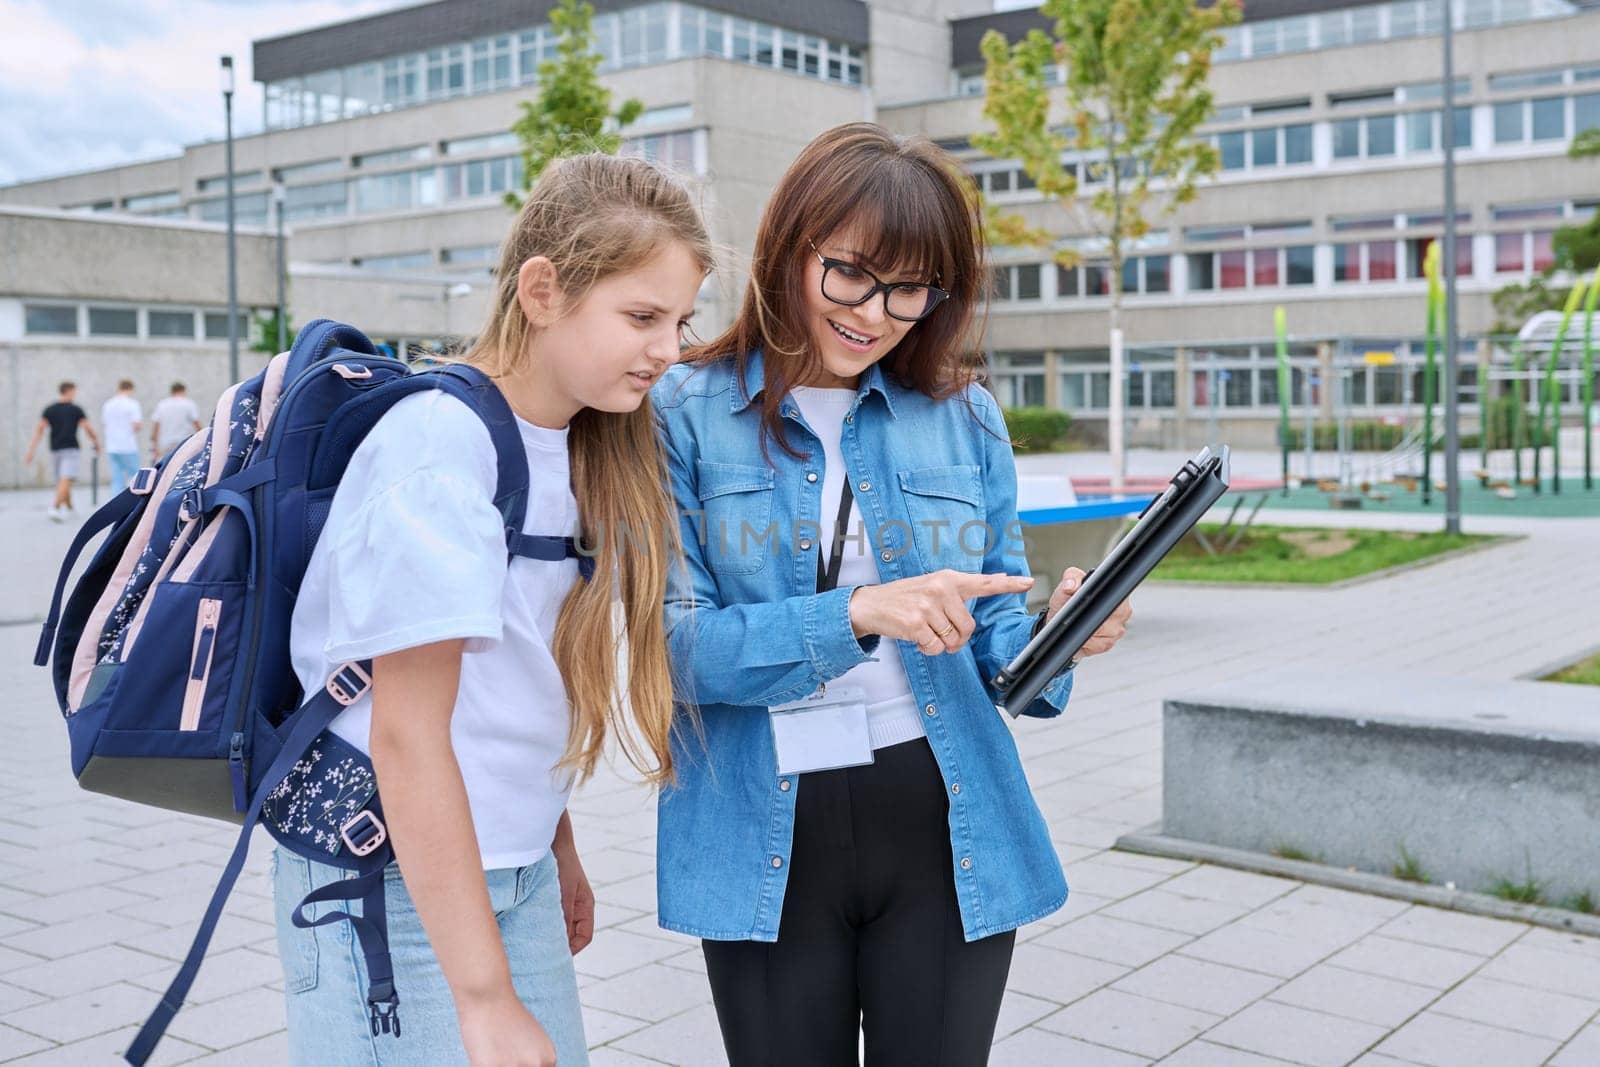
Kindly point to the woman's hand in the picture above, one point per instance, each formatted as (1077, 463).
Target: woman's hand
(501, 1032)
(1110, 632)
(929, 609)
(577, 898)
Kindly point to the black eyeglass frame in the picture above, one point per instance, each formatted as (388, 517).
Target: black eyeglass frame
(939, 295)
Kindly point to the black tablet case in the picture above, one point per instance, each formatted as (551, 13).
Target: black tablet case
(1192, 492)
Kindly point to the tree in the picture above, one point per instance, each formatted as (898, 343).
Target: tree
(572, 112)
(1136, 73)
(1586, 144)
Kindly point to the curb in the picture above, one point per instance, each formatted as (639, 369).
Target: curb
(1151, 842)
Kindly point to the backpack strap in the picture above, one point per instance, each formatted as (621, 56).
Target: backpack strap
(312, 718)
(114, 511)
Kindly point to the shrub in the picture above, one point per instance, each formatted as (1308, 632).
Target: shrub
(1037, 429)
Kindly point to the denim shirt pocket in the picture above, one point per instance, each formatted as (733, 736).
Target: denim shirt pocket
(735, 528)
(947, 516)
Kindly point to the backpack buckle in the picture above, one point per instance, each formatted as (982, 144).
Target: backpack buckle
(192, 504)
(363, 834)
(348, 684)
(349, 373)
(143, 482)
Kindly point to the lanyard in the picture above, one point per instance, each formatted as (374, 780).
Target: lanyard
(828, 577)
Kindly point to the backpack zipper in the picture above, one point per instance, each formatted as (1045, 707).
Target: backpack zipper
(205, 643)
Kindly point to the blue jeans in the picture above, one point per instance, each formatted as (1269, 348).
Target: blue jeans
(325, 985)
(124, 465)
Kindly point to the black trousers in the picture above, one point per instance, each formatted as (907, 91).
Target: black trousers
(870, 936)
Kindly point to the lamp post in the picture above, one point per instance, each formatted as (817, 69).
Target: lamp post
(283, 307)
(233, 285)
(1452, 342)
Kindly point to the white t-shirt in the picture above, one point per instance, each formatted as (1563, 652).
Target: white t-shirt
(174, 417)
(892, 714)
(120, 416)
(414, 552)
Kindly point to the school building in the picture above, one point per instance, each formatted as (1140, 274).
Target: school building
(384, 143)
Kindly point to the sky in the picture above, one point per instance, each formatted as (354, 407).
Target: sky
(96, 83)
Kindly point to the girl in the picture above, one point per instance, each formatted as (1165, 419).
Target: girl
(858, 845)
(492, 687)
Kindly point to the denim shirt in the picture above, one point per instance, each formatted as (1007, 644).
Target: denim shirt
(747, 629)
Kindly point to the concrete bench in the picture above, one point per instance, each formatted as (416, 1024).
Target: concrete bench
(1479, 781)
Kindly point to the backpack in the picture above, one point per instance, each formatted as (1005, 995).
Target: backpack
(170, 659)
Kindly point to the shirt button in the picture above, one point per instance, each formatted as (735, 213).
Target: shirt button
(865, 486)
(849, 418)
(783, 784)
(805, 544)
(811, 476)
(955, 788)
(966, 863)
(777, 861)
(930, 710)
(887, 557)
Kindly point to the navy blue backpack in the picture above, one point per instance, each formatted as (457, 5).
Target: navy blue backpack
(170, 659)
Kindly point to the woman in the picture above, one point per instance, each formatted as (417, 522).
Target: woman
(851, 833)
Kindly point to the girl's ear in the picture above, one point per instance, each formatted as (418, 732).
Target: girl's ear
(538, 292)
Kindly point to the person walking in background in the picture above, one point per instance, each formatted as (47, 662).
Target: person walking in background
(122, 419)
(63, 419)
(174, 418)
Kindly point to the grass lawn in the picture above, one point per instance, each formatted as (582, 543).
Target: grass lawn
(1310, 556)
(1584, 672)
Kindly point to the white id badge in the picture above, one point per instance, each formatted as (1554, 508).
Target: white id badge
(826, 730)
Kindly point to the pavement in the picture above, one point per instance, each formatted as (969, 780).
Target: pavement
(1152, 960)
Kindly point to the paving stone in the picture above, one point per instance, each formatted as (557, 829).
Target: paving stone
(81, 1015)
(1111, 880)
(1296, 1034)
(1454, 930)
(1059, 977)
(1229, 886)
(692, 1037)
(1019, 1010)
(1441, 1041)
(1423, 965)
(15, 1043)
(651, 992)
(1539, 1012)
(1203, 1053)
(1130, 1023)
(78, 935)
(1192, 983)
(1582, 1051)
(619, 951)
(1542, 969)
(1033, 1048)
(601, 1026)
(1364, 997)
(1170, 911)
(85, 971)
(1267, 951)
(1101, 937)
(232, 1020)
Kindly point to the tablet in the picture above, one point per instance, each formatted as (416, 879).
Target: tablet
(1191, 493)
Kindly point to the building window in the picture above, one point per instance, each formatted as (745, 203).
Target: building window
(1017, 281)
(113, 322)
(400, 261)
(172, 324)
(315, 201)
(1549, 118)
(152, 202)
(50, 319)
(216, 323)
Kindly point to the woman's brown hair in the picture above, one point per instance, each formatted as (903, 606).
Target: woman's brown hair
(595, 216)
(909, 201)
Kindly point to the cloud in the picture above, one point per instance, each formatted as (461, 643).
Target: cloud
(95, 83)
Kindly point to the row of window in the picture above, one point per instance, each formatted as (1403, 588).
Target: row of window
(94, 320)
(637, 36)
(1376, 22)
(1232, 377)
(396, 190)
(1387, 259)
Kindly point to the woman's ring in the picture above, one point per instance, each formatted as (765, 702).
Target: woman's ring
(946, 632)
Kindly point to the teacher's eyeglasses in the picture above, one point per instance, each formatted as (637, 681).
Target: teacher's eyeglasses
(847, 284)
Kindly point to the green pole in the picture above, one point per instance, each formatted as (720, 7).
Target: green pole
(1519, 414)
(1429, 387)
(1588, 379)
(1552, 388)
(1485, 357)
(1280, 323)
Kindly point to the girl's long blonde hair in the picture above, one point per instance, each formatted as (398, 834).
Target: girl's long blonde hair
(595, 216)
